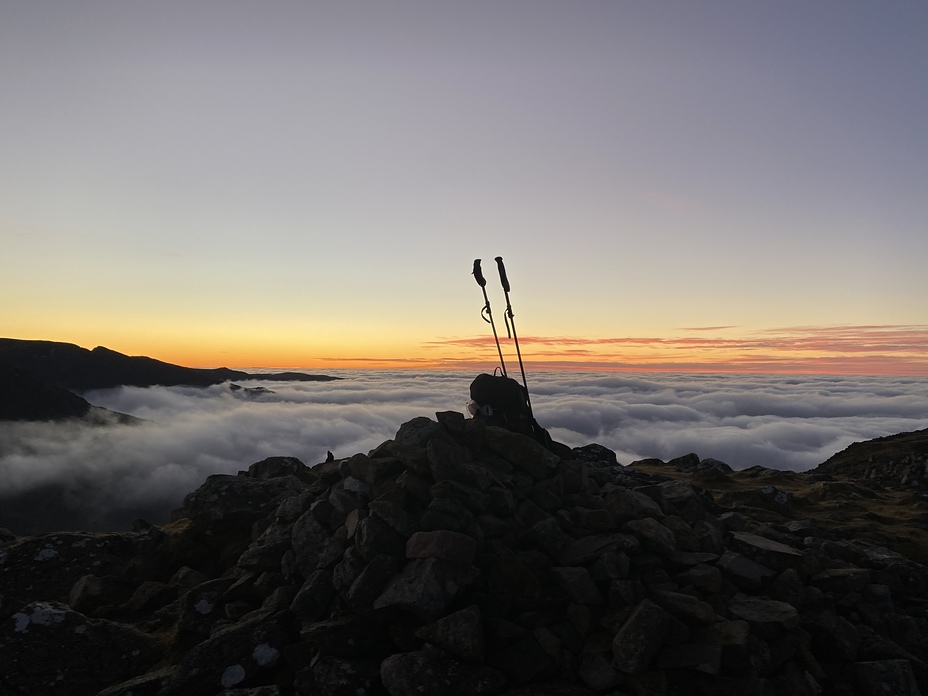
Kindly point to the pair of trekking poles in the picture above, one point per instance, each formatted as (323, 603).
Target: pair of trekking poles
(487, 315)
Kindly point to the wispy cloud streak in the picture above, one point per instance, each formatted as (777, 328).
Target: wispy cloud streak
(877, 350)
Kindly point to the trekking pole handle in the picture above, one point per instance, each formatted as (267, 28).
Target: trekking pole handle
(478, 274)
(502, 273)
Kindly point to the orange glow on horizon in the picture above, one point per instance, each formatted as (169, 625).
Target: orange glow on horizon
(840, 350)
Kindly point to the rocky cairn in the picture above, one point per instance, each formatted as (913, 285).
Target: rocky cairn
(461, 559)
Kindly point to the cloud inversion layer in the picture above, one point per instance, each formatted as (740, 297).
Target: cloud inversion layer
(131, 471)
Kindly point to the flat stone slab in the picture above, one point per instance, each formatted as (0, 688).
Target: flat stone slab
(765, 551)
(588, 549)
(764, 612)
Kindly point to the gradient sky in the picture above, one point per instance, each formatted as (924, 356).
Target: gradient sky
(674, 185)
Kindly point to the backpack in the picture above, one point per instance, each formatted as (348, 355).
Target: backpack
(502, 401)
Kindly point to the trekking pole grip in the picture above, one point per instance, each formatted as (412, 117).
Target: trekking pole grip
(478, 274)
(502, 273)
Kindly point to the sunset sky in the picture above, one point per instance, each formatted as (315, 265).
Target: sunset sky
(694, 186)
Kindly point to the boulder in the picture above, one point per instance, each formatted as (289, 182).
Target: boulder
(640, 638)
(45, 647)
(426, 587)
(432, 672)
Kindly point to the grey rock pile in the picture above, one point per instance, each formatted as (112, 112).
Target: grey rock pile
(459, 559)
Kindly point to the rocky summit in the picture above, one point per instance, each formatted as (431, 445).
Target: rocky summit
(461, 559)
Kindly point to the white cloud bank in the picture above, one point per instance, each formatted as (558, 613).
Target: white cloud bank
(115, 474)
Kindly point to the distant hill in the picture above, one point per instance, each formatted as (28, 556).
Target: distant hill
(225, 374)
(72, 367)
(25, 396)
(38, 379)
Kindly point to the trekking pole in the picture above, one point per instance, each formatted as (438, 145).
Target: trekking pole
(511, 324)
(487, 314)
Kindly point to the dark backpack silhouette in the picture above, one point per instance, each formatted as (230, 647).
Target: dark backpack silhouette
(502, 401)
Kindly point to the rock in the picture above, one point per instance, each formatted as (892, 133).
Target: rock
(459, 634)
(230, 657)
(446, 513)
(309, 539)
(522, 661)
(702, 577)
(597, 672)
(431, 672)
(470, 496)
(375, 537)
(744, 572)
(509, 575)
(595, 454)
(770, 554)
(842, 581)
(203, 606)
(426, 587)
(522, 452)
(833, 637)
(91, 591)
(371, 582)
(374, 470)
(233, 503)
(314, 599)
(577, 584)
(419, 431)
(886, 677)
(186, 577)
(394, 516)
(769, 616)
(266, 552)
(444, 544)
(47, 567)
(588, 549)
(702, 657)
(45, 647)
(628, 505)
(148, 684)
(640, 638)
(149, 596)
(347, 636)
(339, 676)
(274, 467)
(687, 608)
(653, 535)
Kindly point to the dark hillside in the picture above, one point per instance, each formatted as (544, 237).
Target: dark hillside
(72, 367)
(24, 396)
(901, 459)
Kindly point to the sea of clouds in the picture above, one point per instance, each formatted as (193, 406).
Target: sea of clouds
(114, 474)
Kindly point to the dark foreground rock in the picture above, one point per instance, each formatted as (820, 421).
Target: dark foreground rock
(461, 559)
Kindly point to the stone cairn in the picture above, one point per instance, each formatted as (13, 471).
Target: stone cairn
(459, 559)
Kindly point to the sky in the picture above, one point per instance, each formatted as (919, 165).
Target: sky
(714, 186)
(115, 474)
